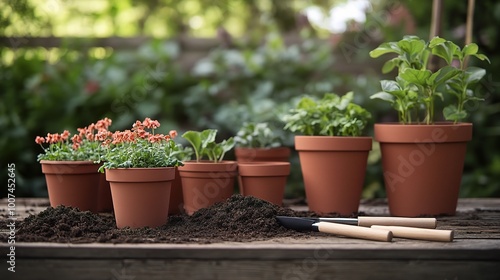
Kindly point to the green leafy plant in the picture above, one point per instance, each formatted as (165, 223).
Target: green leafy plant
(84, 146)
(140, 148)
(330, 116)
(257, 135)
(416, 86)
(204, 144)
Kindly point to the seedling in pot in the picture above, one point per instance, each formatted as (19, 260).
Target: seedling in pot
(204, 144)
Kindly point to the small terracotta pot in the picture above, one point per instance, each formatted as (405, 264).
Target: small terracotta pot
(262, 154)
(176, 205)
(264, 180)
(72, 183)
(104, 201)
(205, 183)
(141, 196)
(334, 171)
(423, 166)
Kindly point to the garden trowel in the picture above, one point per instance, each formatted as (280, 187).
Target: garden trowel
(397, 227)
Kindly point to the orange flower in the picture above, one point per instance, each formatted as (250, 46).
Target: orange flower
(76, 139)
(65, 135)
(151, 124)
(173, 133)
(39, 140)
(103, 124)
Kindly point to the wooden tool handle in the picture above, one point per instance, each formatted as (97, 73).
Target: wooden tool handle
(397, 221)
(355, 231)
(419, 233)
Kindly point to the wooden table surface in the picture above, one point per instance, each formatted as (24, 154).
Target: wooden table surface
(474, 254)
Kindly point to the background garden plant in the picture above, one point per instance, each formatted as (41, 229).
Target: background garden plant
(204, 144)
(331, 115)
(258, 135)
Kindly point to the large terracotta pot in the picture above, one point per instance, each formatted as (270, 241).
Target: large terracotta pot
(423, 166)
(262, 154)
(264, 180)
(334, 170)
(72, 183)
(141, 196)
(205, 183)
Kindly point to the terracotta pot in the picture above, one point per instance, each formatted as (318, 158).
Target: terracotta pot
(141, 196)
(205, 183)
(334, 170)
(262, 154)
(72, 183)
(104, 201)
(176, 205)
(423, 166)
(264, 180)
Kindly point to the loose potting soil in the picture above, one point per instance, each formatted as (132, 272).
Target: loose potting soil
(237, 219)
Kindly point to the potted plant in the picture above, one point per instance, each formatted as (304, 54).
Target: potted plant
(332, 153)
(70, 165)
(140, 168)
(259, 142)
(206, 182)
(423, 159)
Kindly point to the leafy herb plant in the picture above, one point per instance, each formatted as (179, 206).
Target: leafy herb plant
(416, 86)
(257, 135)
(330, 116)
(203, 144)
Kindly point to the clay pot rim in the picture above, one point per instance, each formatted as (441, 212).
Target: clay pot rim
(153, 174)
(264, 169)
(68, 162)
(440, 132)
(333, 143)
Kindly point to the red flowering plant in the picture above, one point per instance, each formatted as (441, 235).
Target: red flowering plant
(141, 147)
(86, 145)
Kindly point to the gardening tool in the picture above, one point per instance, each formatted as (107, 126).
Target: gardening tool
(312, 224)
(304, 224)
(419, 233)
(382, 221)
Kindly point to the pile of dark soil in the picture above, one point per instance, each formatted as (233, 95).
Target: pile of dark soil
(237, 219)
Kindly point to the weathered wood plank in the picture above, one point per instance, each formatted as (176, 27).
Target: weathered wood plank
(251, 269)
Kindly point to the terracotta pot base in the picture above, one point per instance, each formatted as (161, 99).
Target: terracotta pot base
(334, 170)
(140, 195)
(72, 183)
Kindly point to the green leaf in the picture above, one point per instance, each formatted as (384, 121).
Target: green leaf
(306, 102)
(412, 45)
(474, 74)
(388, 47)
(390, 86)
(442, 76)
(194, 138)
(415, 76)
(383, 96)
(470, 49)
(207, 136)
(225, 146)
(390, 65)
(482, 57)
(436, 41)
(446, 51)
(451, 113)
